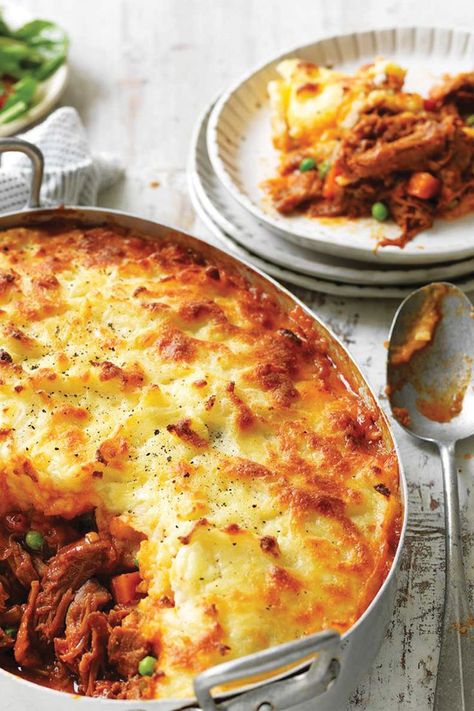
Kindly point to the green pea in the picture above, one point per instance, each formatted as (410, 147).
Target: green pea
(147, 666)
(470, 120)
(379, 211)
(307, 164)
(136, 561)
(10, 632)
(324, 168)
(34, 540)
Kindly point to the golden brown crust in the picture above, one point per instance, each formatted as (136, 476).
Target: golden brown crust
(167, 391)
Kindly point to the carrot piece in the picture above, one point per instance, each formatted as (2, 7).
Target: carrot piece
(124, 587)
(330, 186)
(423, 186)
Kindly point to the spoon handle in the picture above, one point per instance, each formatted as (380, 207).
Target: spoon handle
(455, 680)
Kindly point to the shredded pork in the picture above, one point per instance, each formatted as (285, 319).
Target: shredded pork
(377, 157)
(58, 618)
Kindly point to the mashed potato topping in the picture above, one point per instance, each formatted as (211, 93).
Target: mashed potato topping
(138, 378)
(314, 106)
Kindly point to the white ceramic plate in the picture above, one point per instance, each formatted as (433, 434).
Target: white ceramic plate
(324, 286)
(49, 91)
(253, 235)
(285, 275)
(241, 152)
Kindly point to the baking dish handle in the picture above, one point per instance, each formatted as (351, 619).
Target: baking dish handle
(37, 164)
(276, 695)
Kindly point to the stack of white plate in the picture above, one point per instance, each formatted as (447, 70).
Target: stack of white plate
(232, 154)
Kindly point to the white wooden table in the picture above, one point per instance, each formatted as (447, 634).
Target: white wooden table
(141, 72)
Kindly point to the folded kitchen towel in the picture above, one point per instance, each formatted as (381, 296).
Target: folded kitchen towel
(72, 174)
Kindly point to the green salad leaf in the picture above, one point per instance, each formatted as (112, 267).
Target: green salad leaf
(30, 55)
(46, 41)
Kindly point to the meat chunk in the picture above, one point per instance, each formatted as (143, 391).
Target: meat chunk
(93, 662)
(12, 616)
(26, 644)
(118, 613)
(90, 597)
(67, 571)
(295, 189)
(458, 90)
(18, 559)
(4, 594)
(411, 214)
(410, 151)
(126, 647)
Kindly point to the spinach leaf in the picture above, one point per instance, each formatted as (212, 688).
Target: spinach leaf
(37, 48)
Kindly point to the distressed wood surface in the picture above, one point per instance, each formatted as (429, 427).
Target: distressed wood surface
(141, 72)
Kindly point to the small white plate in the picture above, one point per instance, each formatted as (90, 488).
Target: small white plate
(254, 236)
(324, 286)
(285, 275)
(49, 91)
(242, 155)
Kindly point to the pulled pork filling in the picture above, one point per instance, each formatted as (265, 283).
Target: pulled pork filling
(383, 158)
(68, 596)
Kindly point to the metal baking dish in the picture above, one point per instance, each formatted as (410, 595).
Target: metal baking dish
(317, 672)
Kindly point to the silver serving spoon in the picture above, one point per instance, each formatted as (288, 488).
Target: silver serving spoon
(430, 379)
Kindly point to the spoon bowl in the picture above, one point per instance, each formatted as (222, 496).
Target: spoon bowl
(430, 371)
(430, 384)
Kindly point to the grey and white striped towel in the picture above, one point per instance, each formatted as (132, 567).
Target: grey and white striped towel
(72, 174)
